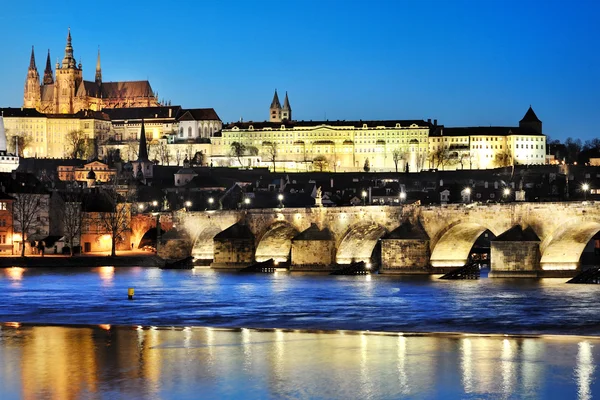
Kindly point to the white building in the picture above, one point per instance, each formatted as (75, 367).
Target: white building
(8, 162)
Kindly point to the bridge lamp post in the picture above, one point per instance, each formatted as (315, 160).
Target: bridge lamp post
(188, 205)
(506, 193)
(364, 197)
(585, 187)
(402, 197)
(280, 198)
(468, 192)
(246, 202)
(210, 202)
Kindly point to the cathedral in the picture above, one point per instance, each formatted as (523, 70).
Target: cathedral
(67, 93)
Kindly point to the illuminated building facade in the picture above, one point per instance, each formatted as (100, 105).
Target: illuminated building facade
(65, 92)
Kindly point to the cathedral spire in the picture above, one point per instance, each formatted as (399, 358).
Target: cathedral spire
(48, 77)
(286, 103)
(32, 60)
(98, 69)
(143, 150)
(275, 103)
(286, 111)
(69, 60)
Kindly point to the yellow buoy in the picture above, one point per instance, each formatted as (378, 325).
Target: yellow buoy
(130, 292)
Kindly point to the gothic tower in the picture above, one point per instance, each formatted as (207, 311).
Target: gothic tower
(32, 97)
(68, 79)
(98, 70)
(286, 111)
(275, 110)
(142, 167)
(48, 75)
(531, 121)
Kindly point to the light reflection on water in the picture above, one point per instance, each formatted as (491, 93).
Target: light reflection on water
(189, 363)
(203, 297)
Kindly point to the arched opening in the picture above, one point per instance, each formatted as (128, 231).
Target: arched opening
(480, 252)
(590, 256)
(204, 248)
(148, 241)
(453, 248)
(361, 243)
(565, 248)
(276, 243)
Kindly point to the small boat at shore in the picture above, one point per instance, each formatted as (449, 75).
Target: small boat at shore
(185, 263)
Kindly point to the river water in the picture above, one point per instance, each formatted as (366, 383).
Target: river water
(310, 336)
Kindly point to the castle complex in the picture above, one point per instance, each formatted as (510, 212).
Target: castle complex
(67, 92)
(110, 116)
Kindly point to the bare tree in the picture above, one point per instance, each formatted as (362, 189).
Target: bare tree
(504, 158)
(27, 208)
(238, 150)
(71, 216)
(397, 156)
(116, 221)
(23, 140)
(76, 143)
(270, 150)
(320, 163)
(164, 155)
(367, 165)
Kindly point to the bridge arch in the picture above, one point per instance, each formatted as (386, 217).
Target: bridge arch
(358, 242)
(203, 247)
(276, 242)
(563, 248)
(452, 245)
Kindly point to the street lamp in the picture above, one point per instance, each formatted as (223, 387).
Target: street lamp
(210, 202)
(188, 204)
(468, 192)
(155, 203)
(364, 197)
(585, 187)
(506, 193)
(402, 197)
(247, 202)
(280, 198)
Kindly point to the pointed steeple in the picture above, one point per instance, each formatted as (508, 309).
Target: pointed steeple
(531, 121)
(48, 76)
(275, 103)
(32, 60)
(143, 150)
(98, 69)
(286, 103)
(530, 116)
(69, 60)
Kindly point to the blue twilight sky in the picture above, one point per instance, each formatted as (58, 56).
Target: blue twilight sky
(466, 63)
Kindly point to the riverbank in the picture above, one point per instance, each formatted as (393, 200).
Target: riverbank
(53, 261)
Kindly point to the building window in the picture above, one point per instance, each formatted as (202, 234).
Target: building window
(2, 205)
(189, 131)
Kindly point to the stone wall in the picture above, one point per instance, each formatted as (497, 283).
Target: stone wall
(515, 259)
(312, 254)
(233, 253)
(404, 256)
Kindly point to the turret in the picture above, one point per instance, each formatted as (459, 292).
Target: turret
(143, 150)
(98, 70)
(68, 78)
(275, 110)
(69, 60)
(48, 75)
(531, 121)
(286, 111)
(32, 94)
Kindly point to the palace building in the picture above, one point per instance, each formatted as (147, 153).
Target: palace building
(66, 92)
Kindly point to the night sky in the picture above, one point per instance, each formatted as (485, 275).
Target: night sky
(465, 63)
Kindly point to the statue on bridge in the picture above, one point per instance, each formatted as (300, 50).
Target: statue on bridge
(319, 198)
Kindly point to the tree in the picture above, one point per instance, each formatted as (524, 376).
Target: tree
(397, 156)
(270, 150)
(504, 158)
(198, 159)
(27, 207)
(163, 153)
(116, 221)
(573, 149)
(71, 216)
(320, 162)
(367, 165)
(238, 150)
(76, 143)
(23, 140)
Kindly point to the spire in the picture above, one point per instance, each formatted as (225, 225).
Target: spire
(68, 61)
(530, 116)
(143, 150)
(48, 77)
(32, 60)
(286, 103)
(98, 69)
(275, 103)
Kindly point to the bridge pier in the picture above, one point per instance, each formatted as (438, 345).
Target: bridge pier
(234, 247)
(515, 253)
(313, 250)
(405, 251)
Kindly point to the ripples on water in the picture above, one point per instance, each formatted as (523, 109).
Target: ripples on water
(203, 297)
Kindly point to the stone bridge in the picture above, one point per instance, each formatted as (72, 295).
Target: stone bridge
(413, 238)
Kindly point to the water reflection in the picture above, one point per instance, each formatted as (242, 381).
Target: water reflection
(110, 362)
